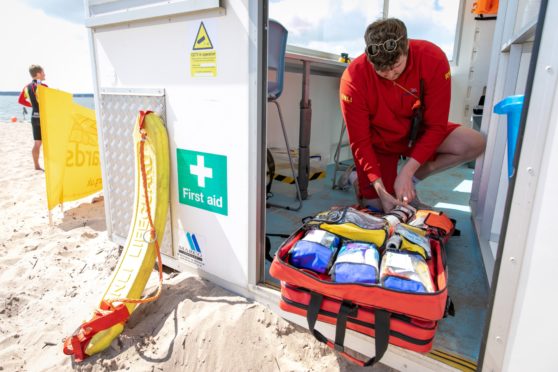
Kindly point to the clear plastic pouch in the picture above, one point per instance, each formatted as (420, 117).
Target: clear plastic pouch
(352, 224)
(413, 242)
(340, 215)
(356, 263)
(405, 271)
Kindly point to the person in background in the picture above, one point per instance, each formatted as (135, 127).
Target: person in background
(396, 82)
(28, 98)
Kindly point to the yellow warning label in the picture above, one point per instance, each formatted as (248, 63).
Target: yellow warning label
(203, 58)
(202, 39)
(203, 63)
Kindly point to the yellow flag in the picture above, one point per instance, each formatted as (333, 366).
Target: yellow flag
(70, 147)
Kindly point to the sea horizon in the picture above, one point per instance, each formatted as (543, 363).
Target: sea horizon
(15, 93)
(10, 108)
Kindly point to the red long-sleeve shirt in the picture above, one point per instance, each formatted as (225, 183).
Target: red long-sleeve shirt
(378, 113)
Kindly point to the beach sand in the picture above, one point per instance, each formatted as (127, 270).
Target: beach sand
(51, 278)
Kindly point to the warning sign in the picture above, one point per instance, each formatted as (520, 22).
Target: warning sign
(202, 39)
(203, 58)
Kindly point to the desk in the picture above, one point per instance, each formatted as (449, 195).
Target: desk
(307, 64)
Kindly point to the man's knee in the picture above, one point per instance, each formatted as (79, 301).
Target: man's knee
(477, 144)
(469, 143)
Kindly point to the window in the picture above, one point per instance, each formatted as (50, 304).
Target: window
(337, 26)
(435, 21)
(331, 26)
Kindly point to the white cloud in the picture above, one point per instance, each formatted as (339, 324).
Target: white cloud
(329, 25)
(338, 26)
(424, 22)
(70, 10)
(299, 16)
(29, 36)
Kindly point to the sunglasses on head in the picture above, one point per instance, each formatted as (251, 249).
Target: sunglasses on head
(390, 45)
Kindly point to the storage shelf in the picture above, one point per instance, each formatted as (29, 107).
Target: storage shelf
(524, 35)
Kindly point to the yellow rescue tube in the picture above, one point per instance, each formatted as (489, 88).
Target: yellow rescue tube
(138, 256)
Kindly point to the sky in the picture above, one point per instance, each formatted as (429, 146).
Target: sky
(49, 33)
(338, 26)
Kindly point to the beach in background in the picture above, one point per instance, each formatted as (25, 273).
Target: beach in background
(9, 107)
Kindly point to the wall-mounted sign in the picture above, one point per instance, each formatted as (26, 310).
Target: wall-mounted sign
(203, 58)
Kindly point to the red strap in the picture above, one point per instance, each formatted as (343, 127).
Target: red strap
(77, 343)
(345, 355)
(142, 116)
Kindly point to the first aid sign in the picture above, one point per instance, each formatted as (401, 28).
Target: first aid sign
(202, 180)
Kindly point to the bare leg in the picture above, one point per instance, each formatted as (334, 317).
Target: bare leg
(374, 203)
(35, 152)
(462, 145)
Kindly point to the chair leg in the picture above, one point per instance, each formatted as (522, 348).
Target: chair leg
(338, 154)
(298, 193)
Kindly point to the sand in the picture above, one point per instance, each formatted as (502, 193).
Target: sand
(52, 277)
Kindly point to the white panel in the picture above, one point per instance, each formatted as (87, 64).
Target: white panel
(460, 72)
(531, 344)
(503, 185)
(522, 330)
(537, 289)
(480, 61)
(208, 114)
(527, 12)
(493, 89)
(523, 68)
(500, 204)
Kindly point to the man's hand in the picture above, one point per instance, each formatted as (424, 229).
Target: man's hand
(386, 199)
(403, 186)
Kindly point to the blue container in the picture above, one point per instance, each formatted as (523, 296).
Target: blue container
(512, 107)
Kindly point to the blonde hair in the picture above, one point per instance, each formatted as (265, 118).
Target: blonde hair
(34, 70)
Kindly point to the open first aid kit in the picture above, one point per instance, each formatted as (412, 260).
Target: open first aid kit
(381, 275)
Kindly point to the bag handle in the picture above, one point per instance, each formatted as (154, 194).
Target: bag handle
(382, 325)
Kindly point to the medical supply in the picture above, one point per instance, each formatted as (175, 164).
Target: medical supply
(356, 263)
(404, 271)
(315, 251)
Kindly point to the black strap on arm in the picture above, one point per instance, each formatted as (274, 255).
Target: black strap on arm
(416, 121)
(382, 326)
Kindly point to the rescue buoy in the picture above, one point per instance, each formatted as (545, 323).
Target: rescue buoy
(151, 201)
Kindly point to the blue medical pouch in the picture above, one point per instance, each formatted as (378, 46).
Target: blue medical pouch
(312, 256)
(356, 263)
(405, 285)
